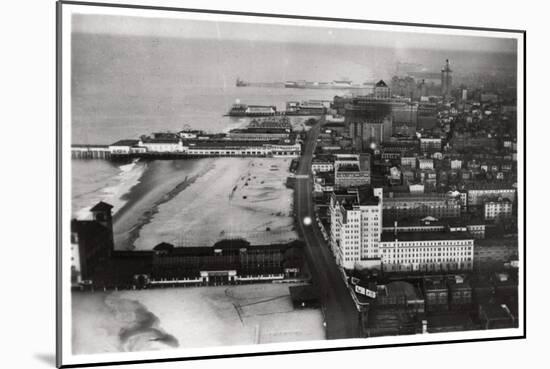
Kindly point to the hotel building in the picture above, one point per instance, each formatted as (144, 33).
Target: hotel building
(426, 251)
(356, 226)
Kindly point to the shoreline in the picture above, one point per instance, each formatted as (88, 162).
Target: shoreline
(114, 190)
(147, 216)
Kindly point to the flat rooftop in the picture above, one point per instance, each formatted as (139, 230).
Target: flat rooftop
(348, 199)
(125, 143)
(425, 236)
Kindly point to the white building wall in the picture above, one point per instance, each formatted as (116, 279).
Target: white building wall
(427, 255)
(358, 237)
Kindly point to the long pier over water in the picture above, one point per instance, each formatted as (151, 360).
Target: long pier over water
(90, 152)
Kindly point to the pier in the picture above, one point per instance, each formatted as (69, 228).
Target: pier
(90, 152)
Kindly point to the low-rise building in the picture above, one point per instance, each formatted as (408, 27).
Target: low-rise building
(398, 206)
(425, 163)
(351, 170)
(478, 193)
(321, 165)
(460, 292)
(497, 208)
(456, 164)
(408, 161)
(400, 294)
(123, 147)
(495, 316)
(428, 144)
(436, 294)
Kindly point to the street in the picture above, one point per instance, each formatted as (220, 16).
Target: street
(341, 314)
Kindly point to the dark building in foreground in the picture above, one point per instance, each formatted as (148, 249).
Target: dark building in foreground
(91, 242)
(495, 316)
(436, 294)
(228, 261)
(96, 263)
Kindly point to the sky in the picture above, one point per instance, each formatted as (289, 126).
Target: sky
(257, 32)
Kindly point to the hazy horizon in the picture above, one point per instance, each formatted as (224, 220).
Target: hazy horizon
(221, 29)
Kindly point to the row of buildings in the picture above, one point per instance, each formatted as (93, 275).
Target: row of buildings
(263, 137)
(423, 205)
(359, 240)
(436, 304)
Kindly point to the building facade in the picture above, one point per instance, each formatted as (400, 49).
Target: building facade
(426, 251)
(497, 209)
(91, 242)
(477, 196)
(356, 226)
(398, 206)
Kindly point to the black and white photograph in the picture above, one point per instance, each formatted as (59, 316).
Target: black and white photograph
(233, 183)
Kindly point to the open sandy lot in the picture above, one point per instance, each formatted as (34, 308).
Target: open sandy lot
(190, 317)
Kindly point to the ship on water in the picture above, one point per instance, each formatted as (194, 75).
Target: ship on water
(341, 84)
(240, 83)
(309, 107)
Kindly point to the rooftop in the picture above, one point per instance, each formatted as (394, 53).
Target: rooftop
(348, 199)
(348, 168)
(434, 284)
(402, 288)
(125, 143)
(102, 206)
(160, 140)
(425, 236)
(495, 311)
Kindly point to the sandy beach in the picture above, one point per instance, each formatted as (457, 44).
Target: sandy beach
(159, 183)
(189, 317)
(233, 197)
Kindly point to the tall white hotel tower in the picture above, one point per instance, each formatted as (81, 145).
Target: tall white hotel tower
(356, 227)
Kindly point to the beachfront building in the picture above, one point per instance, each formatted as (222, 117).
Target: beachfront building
(258, 134)
(91, 242)
(123, 147)
(226, 262)
(174, 145)
(266, 129)
(162, 144)
(355, 226)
